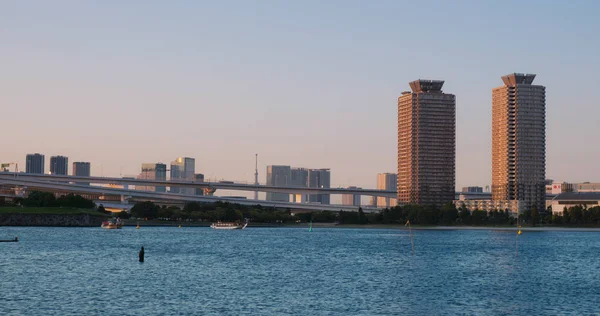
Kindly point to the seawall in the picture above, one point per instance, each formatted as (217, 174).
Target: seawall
(75, 220)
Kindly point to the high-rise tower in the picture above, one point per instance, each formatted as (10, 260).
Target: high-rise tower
(519, 142)
(34, 163)
(59, 165)
(426, 144)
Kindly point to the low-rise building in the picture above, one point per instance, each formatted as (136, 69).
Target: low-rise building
(570, 199)
(489, 205)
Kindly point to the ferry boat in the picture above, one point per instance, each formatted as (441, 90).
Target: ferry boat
(112, 224)
(228, 225)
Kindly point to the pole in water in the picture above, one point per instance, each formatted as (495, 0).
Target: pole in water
(412, 243)
(142, 254)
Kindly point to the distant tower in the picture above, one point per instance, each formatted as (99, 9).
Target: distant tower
(256, 175)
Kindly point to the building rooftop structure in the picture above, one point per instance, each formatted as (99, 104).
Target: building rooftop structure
(577, 196)
(423, 85)
(517, 78)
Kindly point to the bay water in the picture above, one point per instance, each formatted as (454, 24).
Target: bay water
(290, 271)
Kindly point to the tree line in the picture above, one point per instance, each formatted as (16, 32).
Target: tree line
(48, 199)
(448, 215)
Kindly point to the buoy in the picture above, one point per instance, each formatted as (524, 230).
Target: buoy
(142, 254)
(519, 232)
(137, 227)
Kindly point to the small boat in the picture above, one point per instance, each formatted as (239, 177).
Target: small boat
(112, 224)
(228, 225)
(10, 240)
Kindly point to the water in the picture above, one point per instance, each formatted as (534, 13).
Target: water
(289, 271)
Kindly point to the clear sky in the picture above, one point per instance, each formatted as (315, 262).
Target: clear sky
(304, 83)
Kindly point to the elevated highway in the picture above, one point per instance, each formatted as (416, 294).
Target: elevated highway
(202, 185)
(126, 194)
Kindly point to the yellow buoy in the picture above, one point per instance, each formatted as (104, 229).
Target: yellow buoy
(179, 226)
(519, 232)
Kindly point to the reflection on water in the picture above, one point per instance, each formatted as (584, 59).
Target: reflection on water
(275, 271)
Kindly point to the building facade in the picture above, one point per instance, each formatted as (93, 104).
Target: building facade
(472, 189)
(81, 169)
(34, 163)
(386, 181)
(426, 144)
(519, 142)
(351, 199)
(59, 165)
(198, 177)
(278, 176)
(299, 178)
(183, 169)
(153, 171)
(319, 178)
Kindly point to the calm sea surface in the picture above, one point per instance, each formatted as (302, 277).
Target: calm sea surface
(290, 271)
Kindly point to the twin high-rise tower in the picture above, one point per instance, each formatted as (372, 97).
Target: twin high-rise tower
(519, 142)
(427, 144)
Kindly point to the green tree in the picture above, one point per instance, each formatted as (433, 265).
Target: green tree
(39, 199)
(534, 216)
(192, 207)
(449, 214)
(362, 218)
(145, 210)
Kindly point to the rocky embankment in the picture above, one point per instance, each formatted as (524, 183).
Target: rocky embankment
(75, 220)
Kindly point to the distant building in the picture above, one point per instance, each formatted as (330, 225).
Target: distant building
(34, 163)
(153, 171)
(319, 178)
(571, 199)
(519, 142)
(386, 181)
(299, 178)
(472, 189)
(59, 165)
(183, 169)
(278, 176)
(351, 199)
(81, 169)
(426, 144)
(199, 177)
(585, 187)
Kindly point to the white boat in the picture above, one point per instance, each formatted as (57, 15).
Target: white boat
(228, 225)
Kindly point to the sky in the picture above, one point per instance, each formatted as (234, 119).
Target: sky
(304, 83)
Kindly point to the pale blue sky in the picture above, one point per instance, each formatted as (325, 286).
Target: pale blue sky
(305, 83)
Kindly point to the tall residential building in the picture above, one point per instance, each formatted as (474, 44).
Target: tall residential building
(319, 178)
(59, 165)
(519, 142)
(278, 176)
(183, 169)
(34, 163)
(198, 177)
(81, 169)
(426, 144)
(386, 181)
(153, 171)
(351, 199)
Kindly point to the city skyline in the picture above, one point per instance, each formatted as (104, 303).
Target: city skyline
(344, 94)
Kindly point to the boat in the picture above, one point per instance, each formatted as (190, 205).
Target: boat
(114, 223)
(228, 225)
